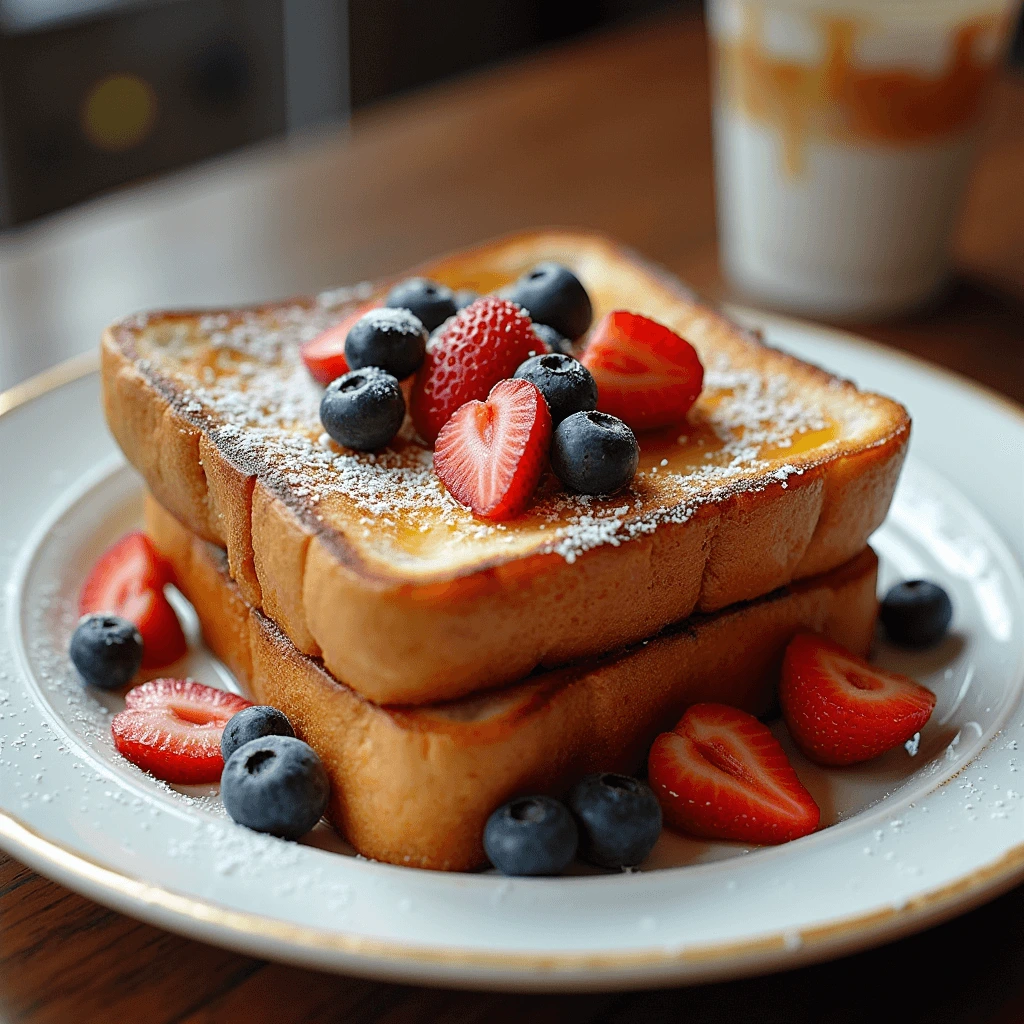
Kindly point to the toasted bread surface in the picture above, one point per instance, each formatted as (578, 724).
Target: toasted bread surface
(414, 785)
(780, 472)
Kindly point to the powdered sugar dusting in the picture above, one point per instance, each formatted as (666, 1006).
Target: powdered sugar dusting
(400, 321)
(240, 377)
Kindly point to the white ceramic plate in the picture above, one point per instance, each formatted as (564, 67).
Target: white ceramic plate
(914, 837)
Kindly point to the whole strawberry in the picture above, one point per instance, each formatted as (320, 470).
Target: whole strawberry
(483, 344)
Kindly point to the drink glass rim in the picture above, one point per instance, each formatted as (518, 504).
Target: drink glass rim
(939, 11)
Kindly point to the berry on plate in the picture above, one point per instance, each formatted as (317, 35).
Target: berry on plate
(481, 345)
(490, 454)
(594, 453)
(916, 613)
(646, 374)
(533, 835)
(171, 728)
(841, 710)
(564, 382)
(253, 723)
(465, 297)
(128, 581)
(721, 774)
(106, 650)
(553, 295)
(275, 784)
(364, 409)
(392, 339)
(618, 817)
(324, 355)
(430, 302)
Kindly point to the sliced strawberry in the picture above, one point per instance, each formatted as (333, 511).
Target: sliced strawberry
(126, 568)
(491, 454)
(128, 580)
(646, 374)
(840, 710)
(171, 728)
(324, 356)
(721, 774)
(481, 345)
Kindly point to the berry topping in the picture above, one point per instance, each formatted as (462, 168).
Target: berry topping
(430, 302)
(465, 297)
(171, 728)
(916, 613)
(483, 344)
(364, 409)
(533, 835)
(128, 581)
(253, 723)
(619, 819)
(594, 453)
(646, 374)
(552, 340)
(564, 382)
(324, 356)
(721, 774)
(553, 295)
(490, 455)
(840, 710)
(106, 650)
(392, 339)
(275, 784)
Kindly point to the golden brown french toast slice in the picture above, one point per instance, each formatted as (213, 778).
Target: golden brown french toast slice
(414, 785)
(780, 472)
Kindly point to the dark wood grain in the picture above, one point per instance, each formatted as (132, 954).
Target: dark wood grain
(613, 134)
(64, 959)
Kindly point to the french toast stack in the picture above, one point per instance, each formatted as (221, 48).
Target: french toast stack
(440, 663)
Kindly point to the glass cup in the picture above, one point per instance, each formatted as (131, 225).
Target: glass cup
(844, 136)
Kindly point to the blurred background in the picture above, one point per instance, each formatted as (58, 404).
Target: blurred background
(198, 152)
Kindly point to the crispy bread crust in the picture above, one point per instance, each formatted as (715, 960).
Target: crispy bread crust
(378, 627)
(415, 785)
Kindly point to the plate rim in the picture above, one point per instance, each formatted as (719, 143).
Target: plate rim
(167, 908)
(776, 949)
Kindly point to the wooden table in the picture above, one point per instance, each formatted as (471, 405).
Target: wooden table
(614, 134)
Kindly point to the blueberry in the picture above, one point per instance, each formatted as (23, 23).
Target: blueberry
(619, 819)
(106, 650)
(431, 302)
(533, 835)
(553, 339)
(276, 784)
(594, 453)
(552, 295)
(564, 382)
(916, 613)
(363, 409)
(253, 724)
(465, 297)
(393, 339)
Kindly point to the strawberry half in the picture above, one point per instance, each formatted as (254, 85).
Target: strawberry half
(490, 455)
(171, 728)
(840, 710)
(481, 345)
(128, 580)
(721, 774)
(646, 374)
(324, 356)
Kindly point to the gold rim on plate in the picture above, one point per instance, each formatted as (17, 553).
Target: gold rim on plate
(841, 934)
(49, 380)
